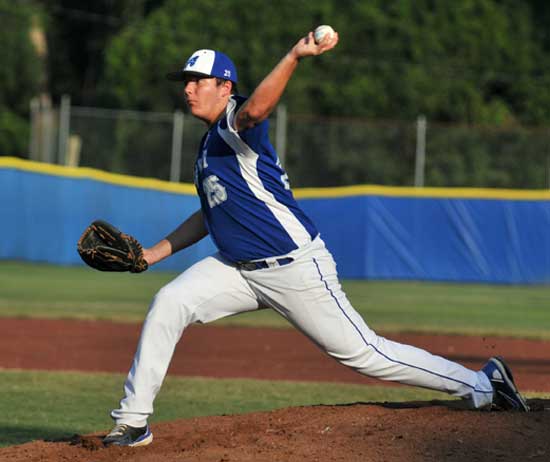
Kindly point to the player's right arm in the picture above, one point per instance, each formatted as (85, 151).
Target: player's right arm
(266, 96)
(185, 235)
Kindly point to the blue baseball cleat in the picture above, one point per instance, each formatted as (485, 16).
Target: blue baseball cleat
(506, 396)
(124, 435)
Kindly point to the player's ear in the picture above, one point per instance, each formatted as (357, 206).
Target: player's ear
(227, 85)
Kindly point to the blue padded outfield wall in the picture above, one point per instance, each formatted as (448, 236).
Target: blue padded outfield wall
(466, 235)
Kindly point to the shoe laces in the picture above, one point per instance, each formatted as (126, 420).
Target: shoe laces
(119, 429)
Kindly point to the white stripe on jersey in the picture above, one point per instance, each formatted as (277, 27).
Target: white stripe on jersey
(248, 160)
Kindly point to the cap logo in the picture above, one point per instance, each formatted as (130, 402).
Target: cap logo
(192, 61)
(227, 73)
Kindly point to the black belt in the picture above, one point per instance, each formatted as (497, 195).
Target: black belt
(263, 264)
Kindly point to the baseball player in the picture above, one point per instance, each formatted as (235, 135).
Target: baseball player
(270, 255)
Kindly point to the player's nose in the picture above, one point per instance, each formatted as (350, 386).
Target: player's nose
(188, 87)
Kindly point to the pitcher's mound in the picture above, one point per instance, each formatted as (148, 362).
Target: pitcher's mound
(390, 432)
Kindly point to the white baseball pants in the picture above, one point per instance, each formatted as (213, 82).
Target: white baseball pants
(308, 294)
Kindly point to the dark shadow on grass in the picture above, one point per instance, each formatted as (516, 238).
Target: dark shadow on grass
(535, 404)
(451, 404)
(14, 435)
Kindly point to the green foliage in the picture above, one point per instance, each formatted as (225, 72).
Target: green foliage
(348, 152)
(138, 59)
(469, 61)
(20, 70)
(14, 134)
(487, 157)
(117, 144)
(20, 73)
(77, 36)
(441, 59)
(356, 151)
(474, 62)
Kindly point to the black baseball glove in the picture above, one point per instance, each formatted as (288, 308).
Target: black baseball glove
(105, 248)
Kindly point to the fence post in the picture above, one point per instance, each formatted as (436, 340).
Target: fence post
(34, 143)
(46, 129)
(420, 151)
(74, 144)
(64, 122)
(280, 133)
(177, 137)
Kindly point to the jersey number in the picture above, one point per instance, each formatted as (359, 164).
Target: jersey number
(284, 176)
(214, 191)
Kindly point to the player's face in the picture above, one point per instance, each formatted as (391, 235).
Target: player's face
(205, 98)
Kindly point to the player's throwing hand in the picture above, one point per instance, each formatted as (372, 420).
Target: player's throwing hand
(307, 46)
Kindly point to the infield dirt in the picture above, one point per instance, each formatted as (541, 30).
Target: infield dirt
(423, 431)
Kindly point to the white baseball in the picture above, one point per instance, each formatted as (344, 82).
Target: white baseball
(321, 31)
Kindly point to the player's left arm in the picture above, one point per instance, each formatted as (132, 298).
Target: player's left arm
(266, 96)
(190, 231)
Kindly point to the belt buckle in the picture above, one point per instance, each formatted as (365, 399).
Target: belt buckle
(263, 264)
(277, 262)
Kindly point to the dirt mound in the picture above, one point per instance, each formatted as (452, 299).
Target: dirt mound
(412, 432)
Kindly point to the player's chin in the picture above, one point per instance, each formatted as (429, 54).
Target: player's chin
(194, 109)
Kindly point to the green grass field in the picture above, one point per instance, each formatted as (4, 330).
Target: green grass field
(39, 405)
(29, 290)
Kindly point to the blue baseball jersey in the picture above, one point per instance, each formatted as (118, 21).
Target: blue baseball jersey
(246, 201)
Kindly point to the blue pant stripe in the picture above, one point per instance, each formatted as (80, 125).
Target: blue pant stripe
(378, 351)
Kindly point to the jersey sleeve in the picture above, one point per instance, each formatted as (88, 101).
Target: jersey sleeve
(231, 111)
(252, 137)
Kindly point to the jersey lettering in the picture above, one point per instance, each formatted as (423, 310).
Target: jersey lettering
(284, 180)
(284, 176)
(214, 191)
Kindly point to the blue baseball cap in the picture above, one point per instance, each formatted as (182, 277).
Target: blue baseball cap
(207, 63)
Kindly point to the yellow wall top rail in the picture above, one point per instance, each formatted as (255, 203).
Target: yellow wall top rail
(300, 193)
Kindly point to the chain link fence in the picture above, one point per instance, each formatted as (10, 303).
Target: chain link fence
(316, 151)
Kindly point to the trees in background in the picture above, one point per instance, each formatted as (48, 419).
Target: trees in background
(469, 62)
(473, 61)
(22, 73)
(79, 33)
